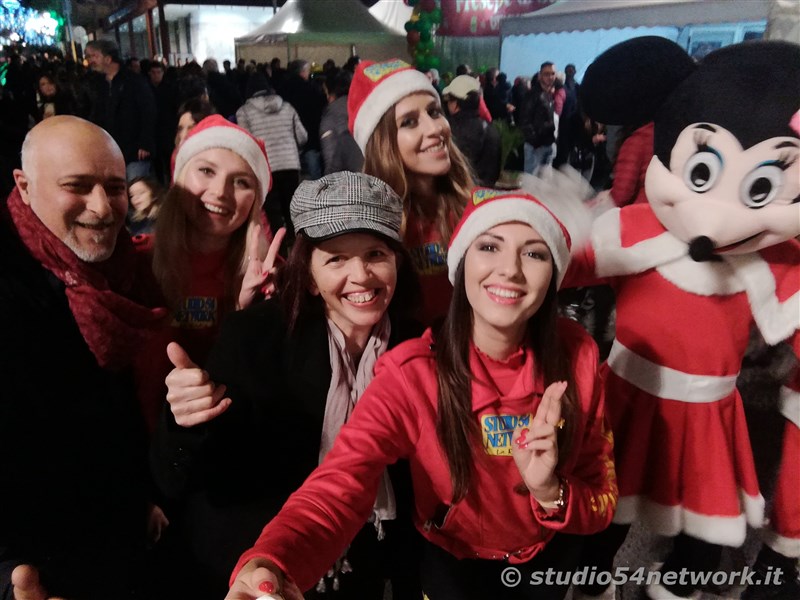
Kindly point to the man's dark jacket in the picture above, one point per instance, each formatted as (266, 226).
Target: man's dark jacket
(126, 108)
(536, 118)
(73, 451)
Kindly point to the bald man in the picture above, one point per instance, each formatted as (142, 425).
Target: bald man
(76, 303)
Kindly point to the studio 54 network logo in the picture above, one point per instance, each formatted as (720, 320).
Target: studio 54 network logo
(513, 577)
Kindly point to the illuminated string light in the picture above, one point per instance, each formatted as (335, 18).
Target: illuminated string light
(18, 24)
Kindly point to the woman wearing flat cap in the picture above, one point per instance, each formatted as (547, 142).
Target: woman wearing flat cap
(284, 377)
(500, 415)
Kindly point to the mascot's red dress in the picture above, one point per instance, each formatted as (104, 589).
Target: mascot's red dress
(681, 443)
(710, 256)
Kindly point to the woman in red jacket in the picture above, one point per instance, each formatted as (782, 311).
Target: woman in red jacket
(502, 423)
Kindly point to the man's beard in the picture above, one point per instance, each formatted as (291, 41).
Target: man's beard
(98, 251)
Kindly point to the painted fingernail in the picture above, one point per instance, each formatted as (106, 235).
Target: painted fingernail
(267, 587)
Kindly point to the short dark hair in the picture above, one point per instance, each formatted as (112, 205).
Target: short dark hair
(471, 102)
(340, 85)
(547, 63)
(190, 87)
(258, 82)
(106, 48)
(294, 281)
(199, 108)
(352, 63)
(463, 70)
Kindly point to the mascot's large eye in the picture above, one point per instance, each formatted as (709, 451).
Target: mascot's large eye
(701, 171)
(761, 185)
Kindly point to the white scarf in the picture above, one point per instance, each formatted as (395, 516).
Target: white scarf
(348, 382)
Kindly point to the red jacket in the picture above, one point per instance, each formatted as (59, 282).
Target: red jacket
(396, 418)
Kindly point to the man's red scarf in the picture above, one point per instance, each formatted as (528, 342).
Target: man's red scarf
(113, 301)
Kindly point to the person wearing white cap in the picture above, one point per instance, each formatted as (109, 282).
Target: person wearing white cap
(479, 141)
(500, 413)
(396, 118)
(281, 381)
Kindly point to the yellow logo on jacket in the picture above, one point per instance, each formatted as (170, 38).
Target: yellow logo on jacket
(429, 258)
(498, 431)
(196, 312)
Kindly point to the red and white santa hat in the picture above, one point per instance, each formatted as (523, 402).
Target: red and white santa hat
(217, 132)
(376, 87)
(488, 208)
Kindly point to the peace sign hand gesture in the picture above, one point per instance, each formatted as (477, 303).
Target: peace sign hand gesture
(535, 450)
(259, 276)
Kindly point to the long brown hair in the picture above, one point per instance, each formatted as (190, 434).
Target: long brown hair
(382, 160)
(456, 428)
(171, 252)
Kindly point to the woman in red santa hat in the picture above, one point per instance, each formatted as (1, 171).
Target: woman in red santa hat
(500, 414)
(396, 118)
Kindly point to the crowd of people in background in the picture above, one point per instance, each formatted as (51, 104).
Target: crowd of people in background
(144, 119)
(285, 228)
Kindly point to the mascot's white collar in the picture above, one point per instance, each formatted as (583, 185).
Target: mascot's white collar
(669, 256)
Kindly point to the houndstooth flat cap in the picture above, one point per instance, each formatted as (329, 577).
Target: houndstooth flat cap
(346, 202)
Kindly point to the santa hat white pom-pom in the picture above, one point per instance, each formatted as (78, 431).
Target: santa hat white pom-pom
(566, 193)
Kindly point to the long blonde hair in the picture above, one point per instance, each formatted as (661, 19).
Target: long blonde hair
(382, 160)
(171, 251)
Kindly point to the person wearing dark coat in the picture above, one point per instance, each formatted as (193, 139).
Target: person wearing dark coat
(502, 97)
(74, 510)
(290, 370)
(53, 99)
(13, 127)
(339, 150)
(222, 93)
(165, 91)
(479, 141)
(309, 103)
(124, 106)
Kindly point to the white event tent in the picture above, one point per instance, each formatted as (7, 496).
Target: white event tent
(577, 31)
(316, 30)
(392, 13)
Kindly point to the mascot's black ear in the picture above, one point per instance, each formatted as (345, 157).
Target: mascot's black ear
(751, 89)
(627, 83)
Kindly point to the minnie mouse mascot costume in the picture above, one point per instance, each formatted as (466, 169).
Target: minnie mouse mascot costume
(711, 253)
